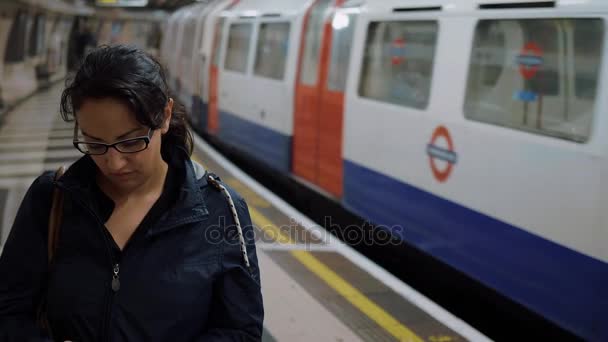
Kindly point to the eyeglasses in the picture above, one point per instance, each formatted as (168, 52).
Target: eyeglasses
(132, 145)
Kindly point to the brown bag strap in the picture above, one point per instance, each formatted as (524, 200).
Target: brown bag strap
(55, 217)
(54, 225)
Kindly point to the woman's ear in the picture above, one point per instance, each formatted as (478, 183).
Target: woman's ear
(167, 117)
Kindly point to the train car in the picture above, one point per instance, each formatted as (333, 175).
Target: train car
(469, 129)
(486, 148)
(257, 73)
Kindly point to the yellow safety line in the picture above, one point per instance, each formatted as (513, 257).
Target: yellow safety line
(269, 228)
(341, 286)
(356, 298)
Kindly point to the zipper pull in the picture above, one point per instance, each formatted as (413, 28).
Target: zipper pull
(115, 279)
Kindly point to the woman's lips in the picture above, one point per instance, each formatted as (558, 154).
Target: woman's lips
(122, 174)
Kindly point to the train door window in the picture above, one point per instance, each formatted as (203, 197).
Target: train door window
(15, 51)
(217, 41)
(173, 49)
(342, 39)
(201, 35)
(398, 62)
(188, 37)
(271, 55)
(537, 75)
(237, 53)
(312, 47)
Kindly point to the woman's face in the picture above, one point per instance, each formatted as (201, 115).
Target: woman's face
(108, 120)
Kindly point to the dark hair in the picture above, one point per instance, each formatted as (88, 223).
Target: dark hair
(130, 75)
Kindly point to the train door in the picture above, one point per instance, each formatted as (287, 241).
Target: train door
(319, 103)
(213, 120)
(331, 111)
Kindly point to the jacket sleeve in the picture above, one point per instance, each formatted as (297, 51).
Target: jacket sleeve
(23, 265)
(237, 311)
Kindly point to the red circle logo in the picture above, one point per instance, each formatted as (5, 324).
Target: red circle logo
(398, 51)
(438, 153)
(530, 60)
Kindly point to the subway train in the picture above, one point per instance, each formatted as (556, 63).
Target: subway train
(38, 40)
(471, 129)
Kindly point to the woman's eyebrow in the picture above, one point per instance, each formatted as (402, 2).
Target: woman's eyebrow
(117, 138)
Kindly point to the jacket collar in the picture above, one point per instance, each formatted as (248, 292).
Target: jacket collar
(189, 207)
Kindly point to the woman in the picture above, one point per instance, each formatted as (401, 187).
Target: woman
(149, 248)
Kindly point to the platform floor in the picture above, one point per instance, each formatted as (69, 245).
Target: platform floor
(315, 288)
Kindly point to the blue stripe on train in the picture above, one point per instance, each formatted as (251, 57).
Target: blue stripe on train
(260, 142)
(564, 286)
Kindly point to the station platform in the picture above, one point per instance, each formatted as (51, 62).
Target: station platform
(315, 287)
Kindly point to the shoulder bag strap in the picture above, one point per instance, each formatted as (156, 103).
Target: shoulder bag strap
(55, 217)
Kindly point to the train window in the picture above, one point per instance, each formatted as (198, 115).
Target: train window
(342, 39)
(540, 76)
(217, 41)
(200, 36)
(237, 53)
(398, 62)
(313, 37)
(173, 49)
(188, 37)
(273, 44)
(15, 51)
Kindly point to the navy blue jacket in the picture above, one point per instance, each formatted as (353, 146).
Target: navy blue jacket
(183, 279)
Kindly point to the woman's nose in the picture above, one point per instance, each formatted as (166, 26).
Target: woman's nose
(115, 160)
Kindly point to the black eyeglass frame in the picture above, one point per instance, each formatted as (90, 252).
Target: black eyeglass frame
(145, 138)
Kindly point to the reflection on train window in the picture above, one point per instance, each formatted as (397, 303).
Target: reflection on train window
(312, 48)
(273, 44)
(238, 47)
(16, 39)
(37, 36)
(342, 39)
(540, 75)
(398, 62)
(217, 41)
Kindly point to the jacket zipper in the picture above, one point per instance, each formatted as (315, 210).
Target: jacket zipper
(115, 266)
(116, 278)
